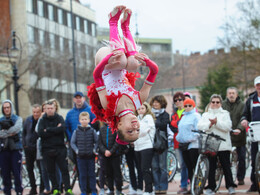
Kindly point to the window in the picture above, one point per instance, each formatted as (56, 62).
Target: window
(69, 19)
(29, 5)
(60, 16)
(86, 26)
(50, 12)
(52, 40)
(70, 46)
(93, 29)
(61, 44)
(77, 23)
(31, 35)
(40, 8)
(41, 37)
(156, 48)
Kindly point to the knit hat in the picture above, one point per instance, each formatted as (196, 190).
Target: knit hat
(190, 102)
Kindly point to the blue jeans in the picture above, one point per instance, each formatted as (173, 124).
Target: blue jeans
(160, 173)
(87, 170)
(184, 170)
(11, 161)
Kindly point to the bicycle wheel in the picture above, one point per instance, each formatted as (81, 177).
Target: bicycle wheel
(218, 176)
(171, 165)
(200, 175)
(257, 171)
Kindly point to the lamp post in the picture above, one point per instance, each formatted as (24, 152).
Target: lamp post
(73, 45)
(14, 56)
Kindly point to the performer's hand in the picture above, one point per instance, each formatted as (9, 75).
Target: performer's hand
(115, 58)
(141, 57)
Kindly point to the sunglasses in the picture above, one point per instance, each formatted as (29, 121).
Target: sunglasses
(186, 106)
(176, 100)
(215, 102)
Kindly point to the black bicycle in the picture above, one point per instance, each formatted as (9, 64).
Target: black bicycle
(208, 146)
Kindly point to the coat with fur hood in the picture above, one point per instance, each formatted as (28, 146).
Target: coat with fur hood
(221, 128)
(14, 131)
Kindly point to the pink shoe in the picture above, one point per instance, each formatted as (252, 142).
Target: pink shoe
(128, 38)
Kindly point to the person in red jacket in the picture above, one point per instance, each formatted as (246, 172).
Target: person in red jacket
(178, 99)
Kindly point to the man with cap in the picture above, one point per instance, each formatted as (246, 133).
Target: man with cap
(252, 113)
(72, 118)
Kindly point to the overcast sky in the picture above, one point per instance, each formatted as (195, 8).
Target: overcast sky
(193, 25)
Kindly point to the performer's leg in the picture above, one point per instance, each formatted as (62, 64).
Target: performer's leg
(115, 42)
(128, 38)
(130, 46)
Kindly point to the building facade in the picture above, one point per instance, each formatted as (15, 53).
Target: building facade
(45, 28)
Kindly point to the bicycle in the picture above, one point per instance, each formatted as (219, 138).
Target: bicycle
(172, 163)
(233, 165)
(254, 134)
(208, 145)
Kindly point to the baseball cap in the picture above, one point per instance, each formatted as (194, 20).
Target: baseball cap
(257, 80)
(78, 93)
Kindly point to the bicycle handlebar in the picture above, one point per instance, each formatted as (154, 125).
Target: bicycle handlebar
(209, 134)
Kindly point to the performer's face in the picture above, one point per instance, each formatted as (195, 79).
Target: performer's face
(129, 127)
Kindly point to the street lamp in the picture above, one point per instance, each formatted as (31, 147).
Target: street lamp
(73, 45)
(14, 56)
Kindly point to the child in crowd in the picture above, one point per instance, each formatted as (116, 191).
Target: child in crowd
(113, 97)
(84, 143)
(111, 152)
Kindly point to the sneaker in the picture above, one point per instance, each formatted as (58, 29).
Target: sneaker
(188, 192)
(119, 192)
(139, 191)
(241, 182)
(110, 192)
(83, 193)
(132, 191)
(182, 190)
(69, 192)
(148, 193)
(101, 191)
(163, 191)
(209, 192)
(56, 192)
(231, 190)
(93, 193)
(251, 189)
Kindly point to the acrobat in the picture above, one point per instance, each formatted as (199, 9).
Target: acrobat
(112, 95)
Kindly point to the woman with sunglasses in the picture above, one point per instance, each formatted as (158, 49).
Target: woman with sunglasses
(178, 111)
(218, 121)
(188, 138)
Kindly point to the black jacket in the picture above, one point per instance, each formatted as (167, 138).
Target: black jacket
(53, 137)
(29, 135)
(162, 121)
(236, 109)
(251, 112)
(107, 141)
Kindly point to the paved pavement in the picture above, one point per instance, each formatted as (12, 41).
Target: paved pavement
(174, 187)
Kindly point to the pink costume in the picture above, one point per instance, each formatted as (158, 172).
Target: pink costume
(116, 81)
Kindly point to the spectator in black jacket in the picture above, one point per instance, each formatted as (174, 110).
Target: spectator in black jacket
(159, 163)
(109, 149)
(83, 142)
(51, 129)
(29, 144)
